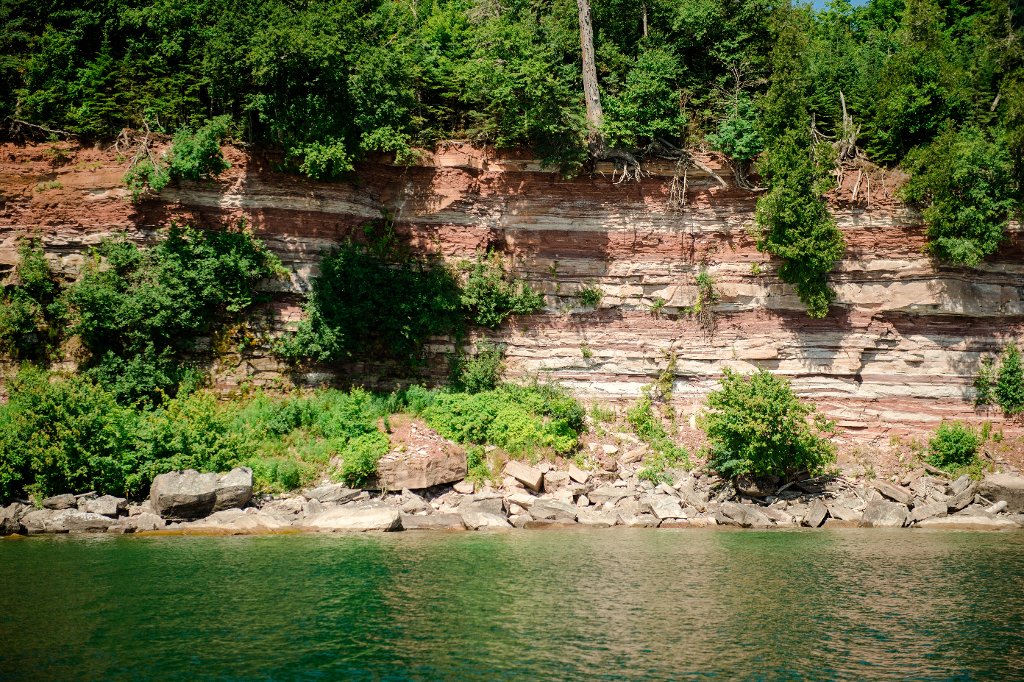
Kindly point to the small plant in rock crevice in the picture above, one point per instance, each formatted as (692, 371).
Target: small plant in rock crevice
(590, 296)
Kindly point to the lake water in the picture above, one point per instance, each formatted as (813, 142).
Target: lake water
(617, 604)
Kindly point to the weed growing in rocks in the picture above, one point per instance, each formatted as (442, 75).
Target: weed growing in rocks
(954, 446)
(590, 296)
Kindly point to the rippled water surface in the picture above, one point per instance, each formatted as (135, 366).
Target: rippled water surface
(557, 605)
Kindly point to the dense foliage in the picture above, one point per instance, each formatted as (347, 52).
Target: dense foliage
(757, 426)
(30, 312)
(378, 301)
(1010, 382)
(953, 446)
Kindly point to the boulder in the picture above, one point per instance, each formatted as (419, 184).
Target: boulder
(183, 494)
(597, 519)
(10, 516)
(333, 492)
(844, 512)
(969, 523)
(960, 485)
(894, 493)
(640, 521)
(414, 503)
(354, 517)
(778, 517)
(464, 487)
(234, 489)
(816, 513)
(884, 514)
(415, 468)
(1005, 487)
(42, 521)
(578, 475)
(663, 507)
(524, 500)
(582, 501)
(553, 510)
(432, 522)
(553, 480)
(997, 508)
(531, 477)
(488, 505)
(608, 493)
(475, 520)
(142, 522)
(746, 515)
(65, 521)
(927, 510)
(962, 496)
(237, 521)
(66, 501)
(107, 505)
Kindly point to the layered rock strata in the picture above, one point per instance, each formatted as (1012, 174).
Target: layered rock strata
(897, 354)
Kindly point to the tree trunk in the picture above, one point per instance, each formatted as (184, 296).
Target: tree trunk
(591, 93)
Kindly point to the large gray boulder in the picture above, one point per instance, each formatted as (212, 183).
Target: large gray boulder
(64, 521)
(894, 493)
(884, 514)
(816, 513)
(10, 518)
(107, 505)
(663, 506)
(333, 492)
(436, 521)
(357, 518)
(234, 489)
(1008, 487)
(928, 510)
(477, 520)
(184, 494)
(553, 510)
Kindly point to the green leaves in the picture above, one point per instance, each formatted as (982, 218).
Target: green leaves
(954, 445)
(757, 426)
(964, 183)
(1010, 382)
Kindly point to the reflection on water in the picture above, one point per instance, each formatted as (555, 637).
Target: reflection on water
(608, 604)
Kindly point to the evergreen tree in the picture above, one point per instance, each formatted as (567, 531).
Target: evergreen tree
(1010, 385)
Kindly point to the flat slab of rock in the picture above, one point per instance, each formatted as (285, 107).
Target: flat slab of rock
(746, 515)
(107, 505)
(963, 496)
(435, 521)
(233, 489)
(816, 513)
(426, 459)
(553, 510)
(356, 518)
(578, 475)
(884, 514)
(597, 519)
(663, 507)
(66, 501)
(1008, 487)
(554, 480)
(894, 493)
(477, 520)
(969, 523)
(139, 523)
(333, 492)
(184, 494)
(531, 477)
(608, 493)
(928, 510)
(65, 521)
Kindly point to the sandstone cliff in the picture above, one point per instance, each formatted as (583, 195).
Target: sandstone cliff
(897, 354)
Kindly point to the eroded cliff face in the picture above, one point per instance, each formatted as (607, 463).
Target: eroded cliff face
(897, 354)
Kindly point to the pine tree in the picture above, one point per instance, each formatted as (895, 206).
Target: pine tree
(984, 384)
(1010, 385)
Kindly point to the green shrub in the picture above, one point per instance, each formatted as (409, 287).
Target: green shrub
(477, 467)
(31, 319)
(64, 434)
(193, 155)
(757, 426)
(984, 384)
(664, 453)
(361, 456)
(1010, 382)
(953, 446)
(490, 295)
(590, 295)
(482, 372)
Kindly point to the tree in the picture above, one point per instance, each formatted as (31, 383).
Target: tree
(758, 427)
(591, 91)
(1010, 384)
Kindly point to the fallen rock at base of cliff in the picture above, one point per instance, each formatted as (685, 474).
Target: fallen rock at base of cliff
(146, 521)
(531, 477)
(552, 510)
(884, 514)
(333, 492)
(745, 515)
(107, 505)
(437, 521)
(358, 517)
(425, 458)
(816, 514)
(477, 520)
(236, 522)
(597, 519)
(233, 489)
(183, 494)
(66, 501)
(969, 523)
(1004, 487)
(928, 510)
(64, 521)
(10, 518)
(894, 493)
(662, 506)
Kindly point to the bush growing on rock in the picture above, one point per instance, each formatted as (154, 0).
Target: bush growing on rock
(954, 445)
(664, 453)
(1010, 382)
(758, 427)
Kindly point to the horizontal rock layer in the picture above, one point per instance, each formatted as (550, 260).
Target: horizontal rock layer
(897, 354)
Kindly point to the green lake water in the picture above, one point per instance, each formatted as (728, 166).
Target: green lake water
(615, 604)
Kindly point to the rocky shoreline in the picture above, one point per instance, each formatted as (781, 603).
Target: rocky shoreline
(533, 498)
